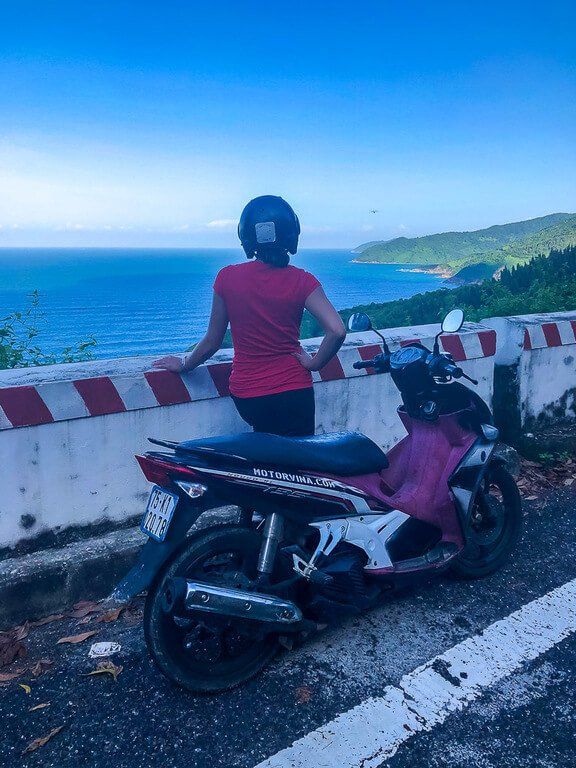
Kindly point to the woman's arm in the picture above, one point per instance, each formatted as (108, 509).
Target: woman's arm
(205, 348)
(334, 331)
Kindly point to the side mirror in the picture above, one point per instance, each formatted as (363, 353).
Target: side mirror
(359, 322)
(453, 321)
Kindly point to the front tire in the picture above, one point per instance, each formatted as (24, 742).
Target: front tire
(495, 527)
(201, 653)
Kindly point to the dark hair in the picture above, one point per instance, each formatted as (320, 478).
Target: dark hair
(276, 257)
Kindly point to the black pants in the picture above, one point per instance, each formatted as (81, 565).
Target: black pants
(287, 413)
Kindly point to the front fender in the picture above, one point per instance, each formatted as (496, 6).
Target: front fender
(466, 479)
(154, 554)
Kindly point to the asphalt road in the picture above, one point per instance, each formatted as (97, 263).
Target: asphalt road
(527, 719)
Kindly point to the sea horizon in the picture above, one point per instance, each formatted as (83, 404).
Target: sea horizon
(147, 301)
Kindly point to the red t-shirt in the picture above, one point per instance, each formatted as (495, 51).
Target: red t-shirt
(265, 306)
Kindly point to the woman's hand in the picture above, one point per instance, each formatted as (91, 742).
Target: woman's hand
(170, 363)
(305, 360)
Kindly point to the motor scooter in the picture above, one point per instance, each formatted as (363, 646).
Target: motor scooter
(328, 523)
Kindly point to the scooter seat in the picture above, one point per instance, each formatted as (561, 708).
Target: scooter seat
(337, 453)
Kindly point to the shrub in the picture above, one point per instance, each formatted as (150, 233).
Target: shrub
(19, 347)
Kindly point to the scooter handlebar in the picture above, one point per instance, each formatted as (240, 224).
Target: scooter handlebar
(381, 363)
(456, 372)
(439, 366)
(453, 370)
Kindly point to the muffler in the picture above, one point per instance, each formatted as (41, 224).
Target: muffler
(182, 596)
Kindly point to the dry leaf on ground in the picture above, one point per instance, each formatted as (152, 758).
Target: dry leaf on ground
(37, 743)
(10, 648)
(74, 639)
(25, 688)
(303, 694)
(83, 608)
(109, 616)
(47, 620)
(536, 478)
(11, 645)
(7, 676)
(107, 667)
(41, 666)
(19, 633)
(39, 706)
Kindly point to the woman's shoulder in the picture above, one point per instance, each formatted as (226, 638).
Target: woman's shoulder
(225, 277)
(305, 278)
(230, 270)
(300, 272)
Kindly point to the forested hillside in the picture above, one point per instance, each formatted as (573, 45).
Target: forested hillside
(480, 253)
(544, 284)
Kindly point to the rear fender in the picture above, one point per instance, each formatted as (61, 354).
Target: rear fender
(154, 554)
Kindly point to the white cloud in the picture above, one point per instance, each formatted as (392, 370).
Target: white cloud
(227, 224)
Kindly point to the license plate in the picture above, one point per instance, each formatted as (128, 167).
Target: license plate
(158, 515)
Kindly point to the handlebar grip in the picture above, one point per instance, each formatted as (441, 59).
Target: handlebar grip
(457, 373)
(453, 370)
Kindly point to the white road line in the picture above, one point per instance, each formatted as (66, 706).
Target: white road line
(370, 733)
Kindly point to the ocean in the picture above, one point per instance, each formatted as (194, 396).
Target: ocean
(156, 301)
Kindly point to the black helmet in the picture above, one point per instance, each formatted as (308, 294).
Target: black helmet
(269, 228)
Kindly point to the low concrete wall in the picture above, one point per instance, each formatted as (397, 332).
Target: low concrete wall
(68, 434)
(535, 372)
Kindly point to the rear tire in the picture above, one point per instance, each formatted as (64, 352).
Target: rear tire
(496, 528)
(214, 667)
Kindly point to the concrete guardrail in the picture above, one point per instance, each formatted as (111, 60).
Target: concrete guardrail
(68, 433)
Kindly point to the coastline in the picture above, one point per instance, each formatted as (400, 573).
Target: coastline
(434, 269)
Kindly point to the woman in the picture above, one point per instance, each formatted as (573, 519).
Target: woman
(263, 300)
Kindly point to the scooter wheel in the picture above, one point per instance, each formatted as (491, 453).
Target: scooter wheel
(201, 652)
(495, 527)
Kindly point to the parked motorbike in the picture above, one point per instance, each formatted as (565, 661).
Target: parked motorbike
(334, 522)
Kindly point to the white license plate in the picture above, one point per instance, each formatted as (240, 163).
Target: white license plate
(158, 515)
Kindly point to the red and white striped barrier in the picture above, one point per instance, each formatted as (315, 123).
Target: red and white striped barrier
(559, 333)
(62, 400)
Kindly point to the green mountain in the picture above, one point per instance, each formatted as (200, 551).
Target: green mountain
(479, 254)
(543, 284)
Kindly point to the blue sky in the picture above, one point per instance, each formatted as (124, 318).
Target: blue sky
(148, 123)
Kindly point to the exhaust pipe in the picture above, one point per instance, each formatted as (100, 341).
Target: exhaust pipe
(182, 596)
